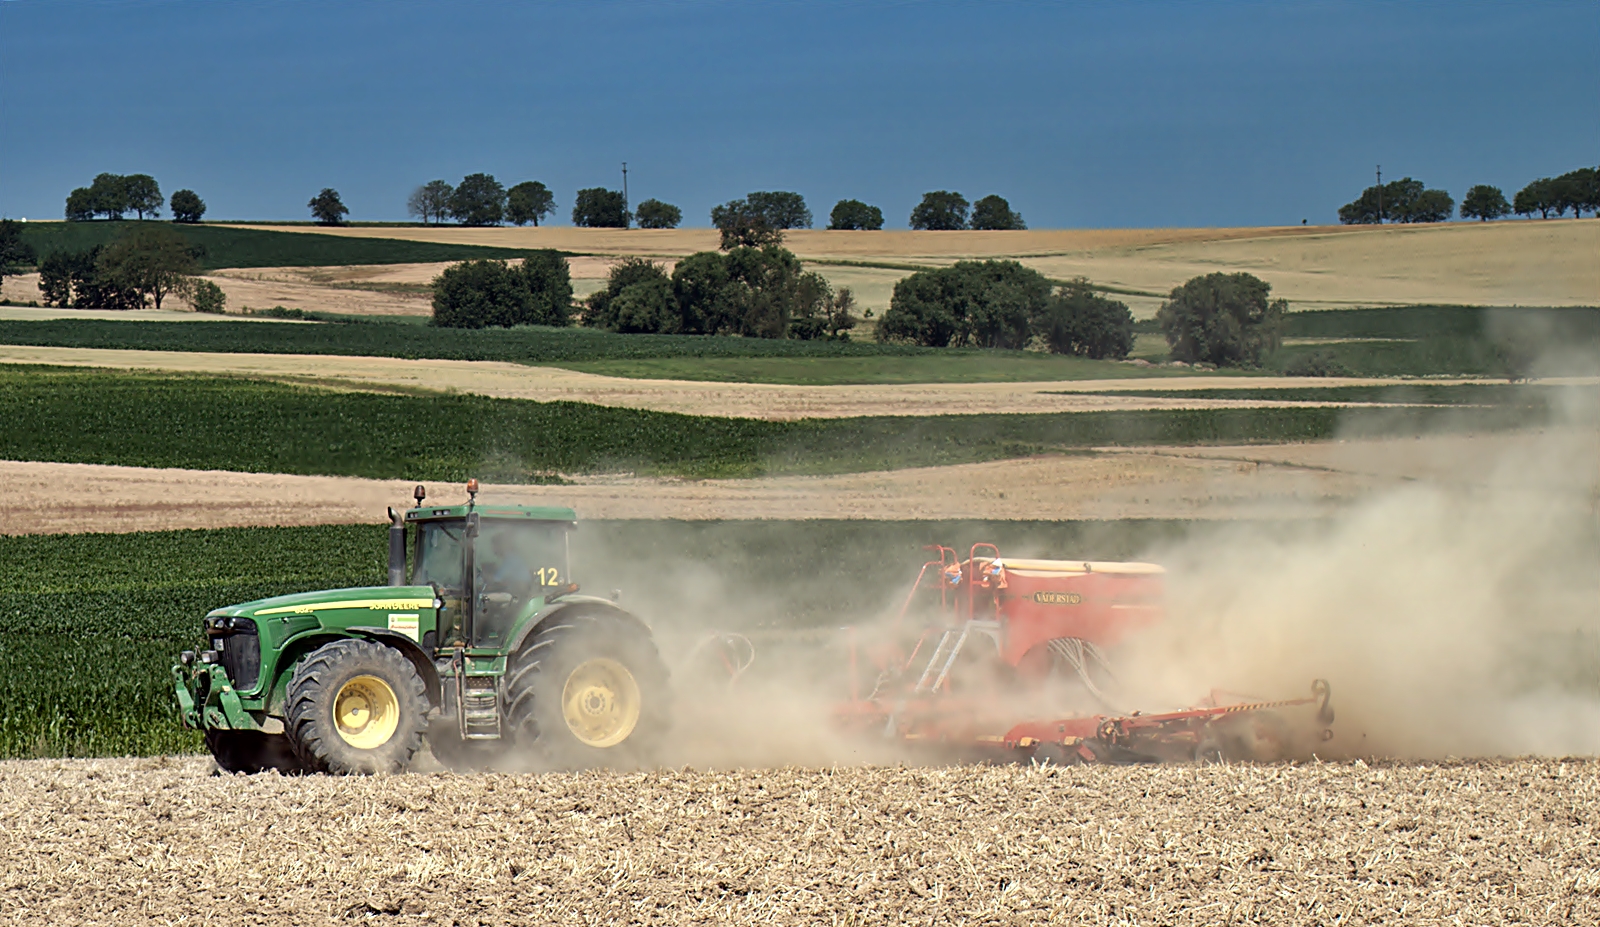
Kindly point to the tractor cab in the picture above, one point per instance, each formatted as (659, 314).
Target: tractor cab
(491, 566)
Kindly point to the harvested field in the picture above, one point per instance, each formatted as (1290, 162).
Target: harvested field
(770, 401)
(1215, 482)
(1548, 262)
(162, 841)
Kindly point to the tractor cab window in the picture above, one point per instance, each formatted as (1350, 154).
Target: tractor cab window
(516, 560)
(438, 559)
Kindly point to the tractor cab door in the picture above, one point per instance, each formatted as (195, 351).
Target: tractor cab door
(516, 563)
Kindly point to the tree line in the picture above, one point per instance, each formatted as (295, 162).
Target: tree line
(143, 266)
(114, 196)
(1407, 200)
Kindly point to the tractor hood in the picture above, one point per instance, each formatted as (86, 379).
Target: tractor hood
(361, 598)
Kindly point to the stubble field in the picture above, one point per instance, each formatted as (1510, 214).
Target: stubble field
(160, 841)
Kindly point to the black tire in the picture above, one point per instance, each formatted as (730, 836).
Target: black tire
(557, 657)
(349, 667)
(251, 752)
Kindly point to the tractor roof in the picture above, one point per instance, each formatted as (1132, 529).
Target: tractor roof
(525, 512)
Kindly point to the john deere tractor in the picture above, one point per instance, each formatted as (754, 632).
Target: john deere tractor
(480, 643)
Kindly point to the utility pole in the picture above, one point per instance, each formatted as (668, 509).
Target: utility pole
(626, 219)
(1380, 194)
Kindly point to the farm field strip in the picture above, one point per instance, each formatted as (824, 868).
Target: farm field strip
(1220, 482)
(768, 401)
(1504, 263)
(159, 841)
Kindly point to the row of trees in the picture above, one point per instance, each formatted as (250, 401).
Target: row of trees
(481, 200)
(1408, 200)
(116, 195)
(755, 292)
(1002, 304)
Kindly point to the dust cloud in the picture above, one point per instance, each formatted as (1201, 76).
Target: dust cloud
(1452, 618)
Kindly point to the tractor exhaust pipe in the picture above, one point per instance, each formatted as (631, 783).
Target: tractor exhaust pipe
(397, 549)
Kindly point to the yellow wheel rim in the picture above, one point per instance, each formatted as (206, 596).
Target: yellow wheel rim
(366, 712)
(600, 702)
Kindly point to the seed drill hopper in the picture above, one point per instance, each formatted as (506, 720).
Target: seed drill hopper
(993, 655)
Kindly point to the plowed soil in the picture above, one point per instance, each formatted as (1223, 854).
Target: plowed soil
(162, 841)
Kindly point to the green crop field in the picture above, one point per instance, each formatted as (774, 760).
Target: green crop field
(1517, 394)
(941, 366)
(223, 246)
(89, 624)
(85, 415)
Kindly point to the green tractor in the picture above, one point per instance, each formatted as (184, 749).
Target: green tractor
(480, 644)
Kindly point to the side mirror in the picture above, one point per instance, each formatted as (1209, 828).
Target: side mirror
(472, 524)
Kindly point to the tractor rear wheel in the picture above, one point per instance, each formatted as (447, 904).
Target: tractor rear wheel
(355, 706)
(589, 690)
(252, 752)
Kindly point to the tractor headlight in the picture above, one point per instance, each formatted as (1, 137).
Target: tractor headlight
(208, 657)
(186, 658)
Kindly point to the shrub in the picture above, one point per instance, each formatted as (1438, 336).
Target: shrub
(599, 208)
(477, 294)
(206, 296)
(993, 213)
(654, 214)
(854, 215)
(1223, 319)
(187, 207)
(940, 210)
(1080, 321)
(601, 311)
(989, 304)
(549, 282)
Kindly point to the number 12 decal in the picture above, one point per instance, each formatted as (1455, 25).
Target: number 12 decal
(549, 577)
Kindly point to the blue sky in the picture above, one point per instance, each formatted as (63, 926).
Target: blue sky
(1082, 114)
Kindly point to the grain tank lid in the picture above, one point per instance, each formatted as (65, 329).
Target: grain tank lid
(1053, 567)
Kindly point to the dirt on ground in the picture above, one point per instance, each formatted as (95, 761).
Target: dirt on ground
(771, 401)
(1252, 481)
(162, 841)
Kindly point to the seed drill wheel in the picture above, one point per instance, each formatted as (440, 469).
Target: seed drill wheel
(356, 707)
(252, 752)
(589, 691)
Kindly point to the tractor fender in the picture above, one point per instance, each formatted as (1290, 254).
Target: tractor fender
(411, 651)
(572, 605)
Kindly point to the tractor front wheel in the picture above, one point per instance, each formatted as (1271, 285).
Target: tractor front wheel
(356, 707)
(589, 690)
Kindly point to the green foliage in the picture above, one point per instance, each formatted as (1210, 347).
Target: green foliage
(142, 195)
(431, 201)
(1316, 364)
(327, 208)
(602, 310)
(213, 423)
(780, 209)
(227, 246)
(1403, 200)
(743, 224)
(1484, 202)
(988, 304)
(187, 206)
(756, 292)
(16, 255)
(940, 210)
(151, 260)
(478, 200)
(1577, 190)
(993, 213)
(1222, 319)
(1080, 321)
(854, 215)
(478, 294)
(599, 208)
(207, 297)
(654, 214)
(80, 205)
(529, 201)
